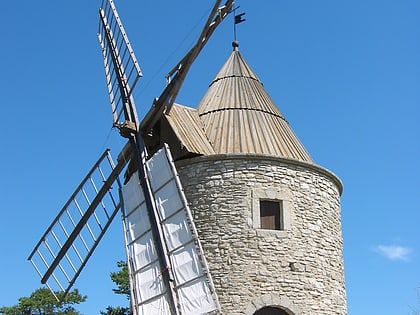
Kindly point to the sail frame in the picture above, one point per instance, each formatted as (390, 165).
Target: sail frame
(193, 286)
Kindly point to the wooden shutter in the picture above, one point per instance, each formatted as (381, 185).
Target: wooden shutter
(271, 216)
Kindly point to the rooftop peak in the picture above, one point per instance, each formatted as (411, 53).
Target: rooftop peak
(239, 116)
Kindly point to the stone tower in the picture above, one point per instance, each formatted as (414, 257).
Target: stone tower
(268, 217)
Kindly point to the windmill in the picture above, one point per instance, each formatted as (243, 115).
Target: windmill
(167, 268)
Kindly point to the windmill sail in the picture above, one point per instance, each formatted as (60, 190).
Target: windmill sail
(70, 240)
(168, 271)
(65, 247)
(155, 272)
(177, 75)
(122, 70)
(193, 286)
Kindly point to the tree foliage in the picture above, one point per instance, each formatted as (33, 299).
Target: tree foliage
(121, 280)
(42, 302)
(116, 311)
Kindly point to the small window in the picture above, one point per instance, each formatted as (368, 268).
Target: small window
(271, 215)
(271, 211)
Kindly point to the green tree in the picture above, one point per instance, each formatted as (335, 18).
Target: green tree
(116, 311)
(42, 302)
(121, 280)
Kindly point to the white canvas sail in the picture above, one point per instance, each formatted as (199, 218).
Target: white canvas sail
(193, 287)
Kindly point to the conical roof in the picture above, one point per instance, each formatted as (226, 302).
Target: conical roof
(239, 116)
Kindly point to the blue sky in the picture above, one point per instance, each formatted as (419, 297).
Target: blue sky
(346, 75)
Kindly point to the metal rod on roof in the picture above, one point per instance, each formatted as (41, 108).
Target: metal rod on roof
(236, 20)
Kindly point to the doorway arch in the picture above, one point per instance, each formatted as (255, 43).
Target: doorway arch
(269, 310)
(278, 304)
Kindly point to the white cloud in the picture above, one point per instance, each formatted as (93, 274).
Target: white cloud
(394, 252)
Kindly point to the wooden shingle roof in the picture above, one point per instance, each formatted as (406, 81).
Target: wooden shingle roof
(239, 116)
(235, 116)
(187, 127)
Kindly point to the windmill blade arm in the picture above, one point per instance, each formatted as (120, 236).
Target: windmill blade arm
(89, 254)
(189, 273)
(122, 70)
(95, 203)
(215, 18)
(72, 197)
(177, 75)
(180, 71)
(70, 240)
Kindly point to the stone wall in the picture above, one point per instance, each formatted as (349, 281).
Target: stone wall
(299, 269)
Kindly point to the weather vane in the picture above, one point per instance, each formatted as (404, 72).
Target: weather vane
(237, 19)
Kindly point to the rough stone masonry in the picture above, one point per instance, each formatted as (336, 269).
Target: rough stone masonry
(298, 269)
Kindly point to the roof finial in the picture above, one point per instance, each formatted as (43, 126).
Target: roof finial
(235, 45)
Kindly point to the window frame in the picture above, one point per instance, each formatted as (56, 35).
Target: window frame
(283, 196)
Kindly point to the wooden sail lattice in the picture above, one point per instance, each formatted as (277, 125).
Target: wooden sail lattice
(192, 283)
(122, 70)
(70, 240)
